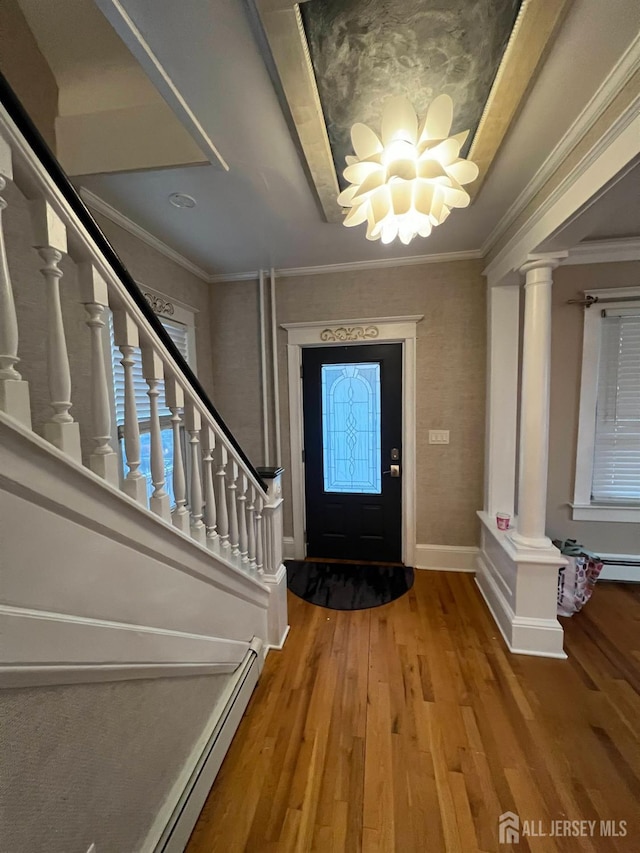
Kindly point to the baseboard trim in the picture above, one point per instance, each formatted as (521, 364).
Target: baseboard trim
(183, 807)
(439, 558)
(446, 558)
(280, 645)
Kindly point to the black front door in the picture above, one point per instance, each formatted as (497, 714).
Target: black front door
(352, 399)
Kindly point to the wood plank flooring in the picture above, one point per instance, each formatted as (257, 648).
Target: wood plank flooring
(409, 727)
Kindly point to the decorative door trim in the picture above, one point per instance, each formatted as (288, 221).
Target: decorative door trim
(344, 333)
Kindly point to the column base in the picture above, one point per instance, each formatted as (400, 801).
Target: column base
(14, 400)
(66, 437)
(277, 626)
(161, 505)
(520, 589)
(105, 465)
(529, 542)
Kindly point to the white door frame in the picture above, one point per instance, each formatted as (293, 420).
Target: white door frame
(344, 333)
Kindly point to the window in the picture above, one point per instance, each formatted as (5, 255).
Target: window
(351, 428)
(607, 484)
(182, 336)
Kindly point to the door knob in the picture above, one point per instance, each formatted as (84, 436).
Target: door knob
(394, 470)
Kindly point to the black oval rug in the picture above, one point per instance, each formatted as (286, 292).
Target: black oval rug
(347, 586)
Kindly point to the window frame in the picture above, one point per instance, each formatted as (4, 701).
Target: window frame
(583, 507)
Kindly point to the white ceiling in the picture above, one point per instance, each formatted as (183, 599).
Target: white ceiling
(262, 212)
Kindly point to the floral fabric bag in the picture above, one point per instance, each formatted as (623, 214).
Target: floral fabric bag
(577, 579)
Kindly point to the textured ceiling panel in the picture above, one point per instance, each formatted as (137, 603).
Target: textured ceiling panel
(363, 51)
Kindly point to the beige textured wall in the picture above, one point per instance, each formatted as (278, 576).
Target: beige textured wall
(151, 269)
(235, 353)
(95, 762)
(27, 71)
(566, 365)
(450, 373)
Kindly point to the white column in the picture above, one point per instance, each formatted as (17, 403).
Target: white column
(194, 424)
(275, 574)
(125, 335)
(174, 396)
(503, 330)
(534, 403)
(50, 239)
(153, 372)
(14, 391)
(94, 294)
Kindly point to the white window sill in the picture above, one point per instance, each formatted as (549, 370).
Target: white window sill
(605, 512)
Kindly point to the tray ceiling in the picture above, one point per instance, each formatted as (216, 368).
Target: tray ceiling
(338, 60)
(364, 52)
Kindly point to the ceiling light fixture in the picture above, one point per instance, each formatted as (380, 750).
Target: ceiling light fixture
(181, 200)
(407, 183)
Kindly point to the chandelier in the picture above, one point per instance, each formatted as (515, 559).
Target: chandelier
(406, 183)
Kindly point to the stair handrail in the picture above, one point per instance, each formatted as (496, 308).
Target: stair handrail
(47, 175)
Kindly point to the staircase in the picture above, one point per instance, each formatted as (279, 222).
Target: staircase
(101, 581)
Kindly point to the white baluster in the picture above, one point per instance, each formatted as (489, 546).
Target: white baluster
(14, 391)
(193, 424)
(51, 242)
(243, 540)
(174, 395)
(125, 335)
(223, 515)
(93, 289)
(210, 515)
(259, 535)
(232, 489)
(251, 529)
(153, 372)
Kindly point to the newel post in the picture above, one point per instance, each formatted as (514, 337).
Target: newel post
(275, 573)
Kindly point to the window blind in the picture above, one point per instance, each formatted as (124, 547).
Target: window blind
(178, 333)
(616, 468)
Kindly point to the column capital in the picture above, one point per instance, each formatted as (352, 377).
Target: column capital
(544, 260)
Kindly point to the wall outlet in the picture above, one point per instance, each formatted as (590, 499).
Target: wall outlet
(438, 436)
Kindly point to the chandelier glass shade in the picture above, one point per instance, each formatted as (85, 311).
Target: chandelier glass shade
(406, 182)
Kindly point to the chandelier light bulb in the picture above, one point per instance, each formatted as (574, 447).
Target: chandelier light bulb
(406, 182)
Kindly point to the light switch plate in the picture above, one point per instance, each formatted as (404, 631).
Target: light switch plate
(438, 436)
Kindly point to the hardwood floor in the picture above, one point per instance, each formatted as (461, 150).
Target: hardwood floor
(411, 728)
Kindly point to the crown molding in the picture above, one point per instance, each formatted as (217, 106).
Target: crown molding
(249, 275)
(100, 206)
(382, 263)
(604, 251)
(625, 68)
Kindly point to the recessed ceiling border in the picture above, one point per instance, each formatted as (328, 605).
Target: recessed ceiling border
(536, 25)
